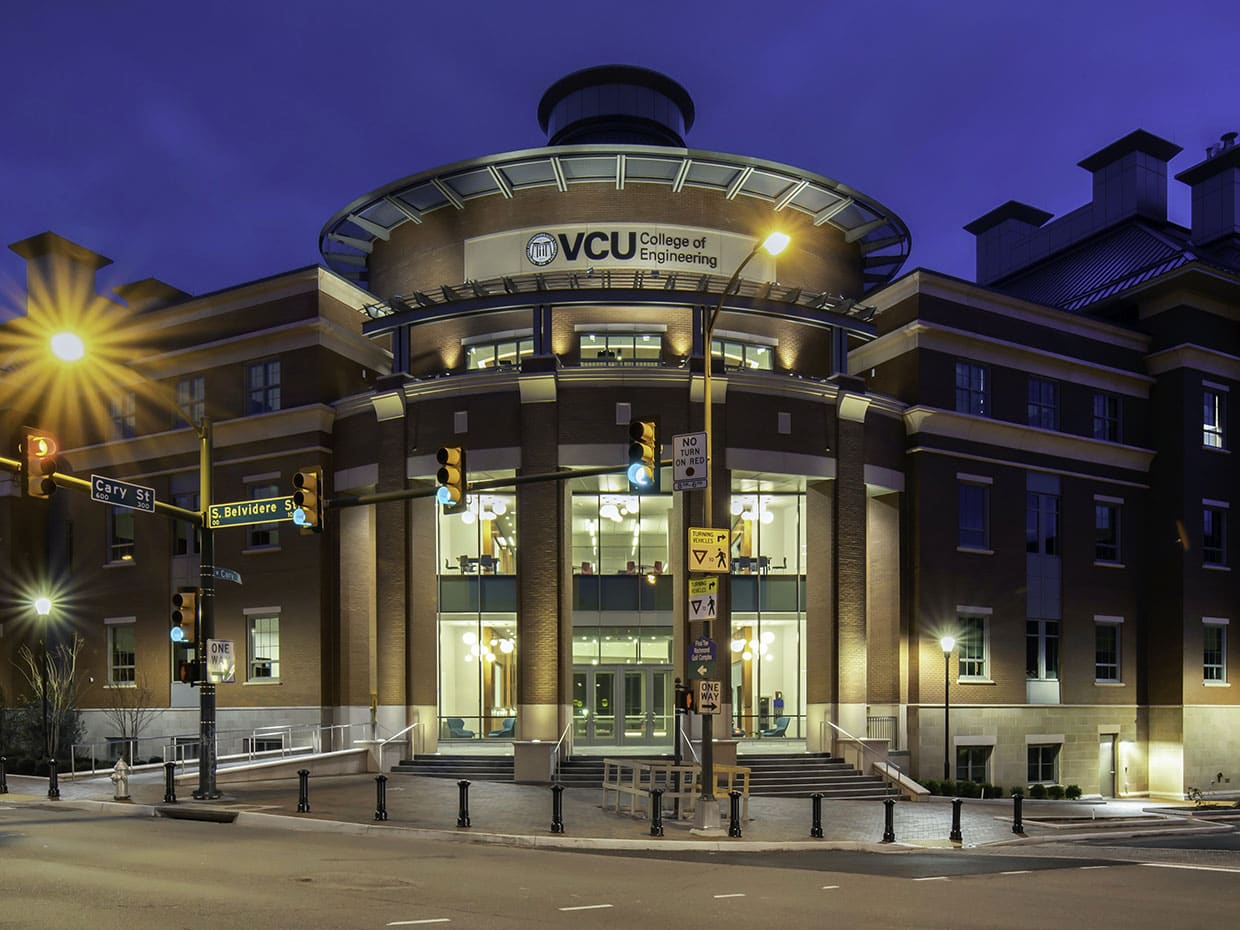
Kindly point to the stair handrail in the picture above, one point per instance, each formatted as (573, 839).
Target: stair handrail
(555, 753)
(688, 742)
(396, 736)
(891, 774)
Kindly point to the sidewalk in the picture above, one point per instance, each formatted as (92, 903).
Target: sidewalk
(503, 812)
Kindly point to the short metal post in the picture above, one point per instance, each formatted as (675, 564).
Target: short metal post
(4, 781)
(557, 808)
(656, 811)
(303, 791)
(956, 836)
(170, 783)
(815, 829)
(734, 825)
(53, 781)
(1018, 825)
(889, 821)
(381, 797)
(462, 814)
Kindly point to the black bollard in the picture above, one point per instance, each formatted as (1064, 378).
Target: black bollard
(4, 781)
(815, 829)
(53, 782)
(462, 814)
(889, 819)
(734, 824)
(381, 797)
(956, 836)
(656, 811)
(170, 783)
(557, 808)
(1018, 825)
(303, 791)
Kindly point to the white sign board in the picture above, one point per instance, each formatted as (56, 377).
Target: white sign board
(702, 606)
(688, 461)
(221, 661)
(709, 695)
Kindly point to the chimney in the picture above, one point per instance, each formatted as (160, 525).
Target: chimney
(999, 234)
(150, 294)
(1130, 177)
(59, 273)
(1215, 185)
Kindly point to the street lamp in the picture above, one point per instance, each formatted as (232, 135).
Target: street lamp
(707, 817)
(948, 643)
(68, 347)
(43, 607)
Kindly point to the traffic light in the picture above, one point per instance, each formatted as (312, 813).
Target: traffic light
(643, 457)
(38, 463)
(184, 615)
(451, 478)
(308, 499)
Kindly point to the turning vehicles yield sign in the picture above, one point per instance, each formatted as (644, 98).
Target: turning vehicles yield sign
(709, 550)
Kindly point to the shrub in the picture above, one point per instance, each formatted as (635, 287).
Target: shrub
(1018, 792)
(1055, 792)
(1038, 792)
(932, 785)
(968, 789)
(992, 791)
(1073, 792)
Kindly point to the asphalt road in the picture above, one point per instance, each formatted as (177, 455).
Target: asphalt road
(65, 868)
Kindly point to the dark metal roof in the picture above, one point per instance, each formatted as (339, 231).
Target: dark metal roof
(1101, 267)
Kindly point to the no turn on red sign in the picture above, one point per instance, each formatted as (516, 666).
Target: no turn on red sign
(689, 461)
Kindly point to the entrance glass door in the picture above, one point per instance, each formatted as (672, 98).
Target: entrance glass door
(613, 705)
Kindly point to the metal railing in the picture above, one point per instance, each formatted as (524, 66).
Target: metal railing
(884, 728)
(893, 776)
(555, 753)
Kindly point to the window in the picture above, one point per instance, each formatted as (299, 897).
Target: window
(1107, 417)
(1213, 417)
(1214, 534)
(1106, 650)
(264, 641)
(191, 398)
(974, 506)
(972, 389)
(612, 348)
(1042, 650)
(1041, 523)
(123, 411)
(743, 355)
(972, 647)
(263, 387)
(1214, 650)
(264, 534)
(184, 535)
(1106, 531)
(122, 647)
(120, 534)
(505, 353)
(1042, 407)
(1043, 764)
(973, 764)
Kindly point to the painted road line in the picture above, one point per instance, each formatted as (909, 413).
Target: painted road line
(736, 894)
(1191, 868)
(1086, 868)
(829, 887)
(1017, 872)
(587, 907)
(429, 920)
(932, 878)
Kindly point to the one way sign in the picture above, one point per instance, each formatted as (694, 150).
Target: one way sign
(708, 696)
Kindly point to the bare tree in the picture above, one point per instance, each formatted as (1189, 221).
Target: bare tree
(129, 709)
(52, 676)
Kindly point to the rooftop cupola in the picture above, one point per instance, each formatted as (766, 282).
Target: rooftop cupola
(616, 105)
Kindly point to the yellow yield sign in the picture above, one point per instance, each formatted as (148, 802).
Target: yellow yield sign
(709, 550)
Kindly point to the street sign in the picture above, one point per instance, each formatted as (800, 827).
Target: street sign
(243, 513)
(708, 550)
(709, 695)
(227, 574)
(107, 490)
(689, 461)
(221, 661)
(702, 607)
(702, 659)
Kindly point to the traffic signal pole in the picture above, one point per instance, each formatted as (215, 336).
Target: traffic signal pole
(207, 761)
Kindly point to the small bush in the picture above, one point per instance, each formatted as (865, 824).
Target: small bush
(1018, 792)
(932, 785)
(1055, 792)
(968, 789)
(1073, 792)
(1038, 792)
(992, 791)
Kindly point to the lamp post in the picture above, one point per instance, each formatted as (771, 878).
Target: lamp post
(707, 817)
(68, 347)
(948, 643)
(43, 607)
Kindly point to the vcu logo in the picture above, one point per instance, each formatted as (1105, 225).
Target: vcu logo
(541, 249)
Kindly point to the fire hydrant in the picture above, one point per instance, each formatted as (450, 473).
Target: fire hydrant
(120, 778)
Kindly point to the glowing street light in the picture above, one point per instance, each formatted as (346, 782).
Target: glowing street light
(948, 643)
(68, 347)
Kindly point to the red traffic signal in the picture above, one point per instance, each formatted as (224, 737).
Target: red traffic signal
(38, 463)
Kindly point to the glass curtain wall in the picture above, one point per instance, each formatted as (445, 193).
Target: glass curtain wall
(477, 566)
(768, 614)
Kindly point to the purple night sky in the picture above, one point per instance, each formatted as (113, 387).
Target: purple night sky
(206, 144)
